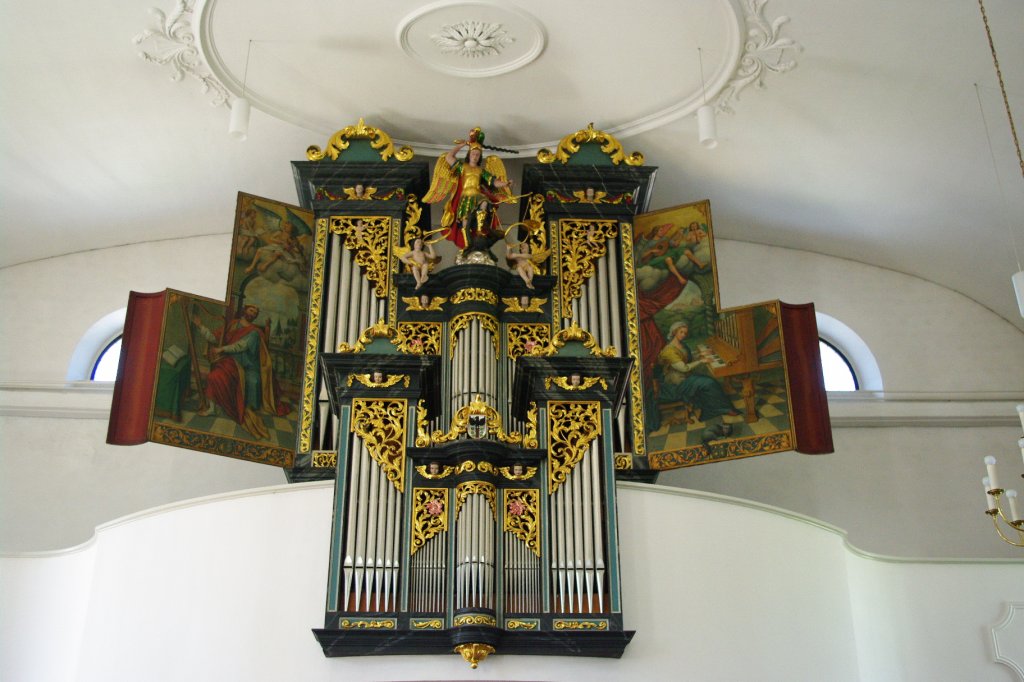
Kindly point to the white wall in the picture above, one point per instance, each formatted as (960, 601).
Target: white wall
(229, 588)
(952, 372)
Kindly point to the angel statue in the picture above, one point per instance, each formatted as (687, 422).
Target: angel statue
(470, 218)
(524, 261)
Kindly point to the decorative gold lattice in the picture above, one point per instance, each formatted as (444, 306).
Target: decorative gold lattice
(369, 237)
(522, 516)
(429, 515)
(467, 488)
(421, 338)
(581, 244)
(521, 338)
(573, 333)
(380, 422)
(572, 426)
(460, 322)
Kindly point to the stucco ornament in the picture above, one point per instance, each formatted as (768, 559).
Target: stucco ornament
(472, 39)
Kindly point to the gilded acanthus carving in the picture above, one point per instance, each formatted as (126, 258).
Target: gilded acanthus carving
(380, 422)
(572, 426)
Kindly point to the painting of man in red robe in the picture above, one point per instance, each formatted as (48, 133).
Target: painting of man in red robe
(241, 380)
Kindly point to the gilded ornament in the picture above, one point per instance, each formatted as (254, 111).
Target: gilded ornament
(369, 381)
(383, 624)
(415, 303)
(413, 213)
(581, 244)
(429, 515)
(580, 624)
(573, 333)
(460, 423)
(370, 238)
(475, 294)
(572, 426)
(380, 330)
(514, 305)
(324, 459)
(526, 474)
(474, 653)
(380, 422)
(474, 619)
(570, 145)
(470, 466)
(426, 624)
(517, 624)
(731, 449)
(521, 338)
(460, 322)
(379, 140)
(623, 462)
(522, 516)
(467, 488)
(530, 437)
(309, 366)
(581, 383)
(422, 426)
(636, 393)
(442, 472)
(422, 338)
(537, 236)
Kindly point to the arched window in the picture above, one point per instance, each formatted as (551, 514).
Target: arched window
(100, 344)
(837, 370)
(105, 368)
(847, 362)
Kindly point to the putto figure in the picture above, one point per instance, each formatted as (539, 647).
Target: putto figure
(472, 191)
(420, 261)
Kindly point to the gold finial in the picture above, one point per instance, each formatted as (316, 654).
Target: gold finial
(474, 652)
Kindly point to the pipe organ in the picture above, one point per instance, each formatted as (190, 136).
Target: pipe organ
(471, 422)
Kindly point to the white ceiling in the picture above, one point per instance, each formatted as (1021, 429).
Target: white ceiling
(874, 147)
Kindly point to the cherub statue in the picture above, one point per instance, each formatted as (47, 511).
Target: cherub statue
(521, 259)
(472, 192)
(359, 192)
(420, 261)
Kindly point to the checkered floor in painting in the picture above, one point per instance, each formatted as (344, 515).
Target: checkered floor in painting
(281, 430)
(772, 411)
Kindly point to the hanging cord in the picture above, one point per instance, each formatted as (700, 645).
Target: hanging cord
(245, 74)
(995, 172)
(1002, 86)
(700, 61)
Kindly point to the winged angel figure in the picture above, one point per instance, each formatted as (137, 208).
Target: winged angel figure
(470, 219)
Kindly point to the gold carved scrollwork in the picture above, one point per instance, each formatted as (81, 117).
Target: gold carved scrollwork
(428, 624)
(571, 428)
(421, 338)
(522, 516)
(384, 624)
(516, 624)
(570, 145)
(474, 652)
(474, 619)
(460, 322)
(368, 381)
(324, 459)
(574, 333)
(636, 393)
(380, 422)
(316, 293)
(475, 294)
(521, 338)
(623, 462)
(483, 467)
(422, 428)
(581, 244)
(379, 140)
(537, 237)
(513, 305)
(566, 383)
(370, 238)
(581, 625)
(429, 515)
(530, 437)
(460, 422)
(380, 330)
(413, 213)
(467, 488)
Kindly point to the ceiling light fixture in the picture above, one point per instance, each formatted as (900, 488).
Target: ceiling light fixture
(707, 131)
(238, 127)
(1018, 277)
(993, 492)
